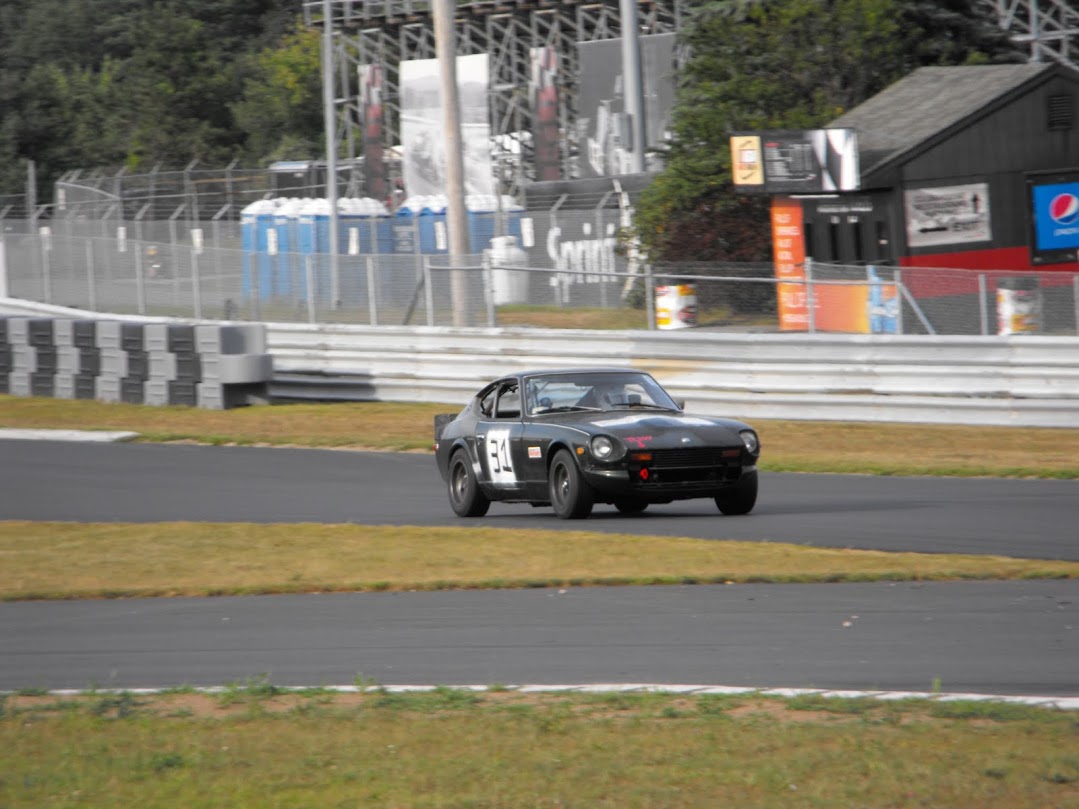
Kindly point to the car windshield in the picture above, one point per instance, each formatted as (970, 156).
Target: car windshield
(561, 393)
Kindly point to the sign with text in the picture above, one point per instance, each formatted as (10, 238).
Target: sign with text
(788, 253)
(797, 162)
(1054, 215)
(953, 214)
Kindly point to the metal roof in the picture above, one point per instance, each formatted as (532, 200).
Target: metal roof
(927, 103)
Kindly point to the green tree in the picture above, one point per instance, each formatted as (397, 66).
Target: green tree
(784, 64)
(280, 112)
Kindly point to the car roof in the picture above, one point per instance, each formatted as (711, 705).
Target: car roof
(606, 369)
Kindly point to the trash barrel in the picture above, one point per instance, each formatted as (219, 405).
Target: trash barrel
(1019, 306)
(676, 306)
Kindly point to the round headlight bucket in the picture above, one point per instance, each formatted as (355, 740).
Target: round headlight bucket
(749, 438)
(603, 448)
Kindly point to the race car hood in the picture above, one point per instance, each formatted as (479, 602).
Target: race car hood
(663, 430)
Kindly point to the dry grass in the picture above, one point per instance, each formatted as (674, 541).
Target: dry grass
(73, 560)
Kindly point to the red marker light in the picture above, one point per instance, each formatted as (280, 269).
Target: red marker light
(644, 474)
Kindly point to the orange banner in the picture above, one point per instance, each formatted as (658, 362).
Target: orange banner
(788, 253)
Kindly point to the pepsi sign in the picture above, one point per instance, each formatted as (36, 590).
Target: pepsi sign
(1055, 221)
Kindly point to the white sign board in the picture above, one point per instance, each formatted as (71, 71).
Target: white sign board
(954, 214)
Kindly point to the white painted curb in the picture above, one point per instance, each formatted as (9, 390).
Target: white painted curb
(1049, 702)
(66, 435)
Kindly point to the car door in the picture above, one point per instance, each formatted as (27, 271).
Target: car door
(498, 435)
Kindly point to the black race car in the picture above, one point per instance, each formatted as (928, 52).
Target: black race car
(573, 438)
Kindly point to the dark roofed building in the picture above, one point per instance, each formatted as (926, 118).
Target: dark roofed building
(948, 158)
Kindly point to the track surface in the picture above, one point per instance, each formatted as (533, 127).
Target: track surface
(149, 483)
(981, 637)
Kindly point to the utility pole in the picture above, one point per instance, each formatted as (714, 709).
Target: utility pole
(329, 123)
(632, 82)
(456, 216)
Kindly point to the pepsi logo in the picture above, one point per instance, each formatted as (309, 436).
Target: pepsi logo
(1064, 209)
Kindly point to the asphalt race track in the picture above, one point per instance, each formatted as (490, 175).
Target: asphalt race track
(979, 637)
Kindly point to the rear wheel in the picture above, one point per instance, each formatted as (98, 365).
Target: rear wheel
(741, 497)
(464, 490)
(571, 497)
(631, 505)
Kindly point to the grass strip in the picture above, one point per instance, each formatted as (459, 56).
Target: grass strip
(255, 747)
(57, 560)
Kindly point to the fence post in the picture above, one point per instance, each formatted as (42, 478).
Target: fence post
(811, 315)
(428, 295)
(600, 238)
(3, 268)
(196, 287)
(1075, 286)
(372, 302)
(174, 265)
(649, 297)
(488, 289)
(983, 303)
(897, 277)
(91, 276)
(140, 246)
(44, 236)
(309, 282)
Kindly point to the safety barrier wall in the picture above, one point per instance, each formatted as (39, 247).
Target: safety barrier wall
(214, 366)
(1020, 380)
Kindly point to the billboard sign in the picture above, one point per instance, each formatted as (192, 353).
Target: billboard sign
(810, 161)
(603, 127)
(953, 214)
(1054, 218)
(422, 137)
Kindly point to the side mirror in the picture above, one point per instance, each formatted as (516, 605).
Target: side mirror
(681, 403)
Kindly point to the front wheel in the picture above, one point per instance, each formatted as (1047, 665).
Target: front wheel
(464, 490)
(741, 497)
(571, 497)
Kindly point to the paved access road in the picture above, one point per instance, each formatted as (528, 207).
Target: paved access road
(981, 637)
(147, 483)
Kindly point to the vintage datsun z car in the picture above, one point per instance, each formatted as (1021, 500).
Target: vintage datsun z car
(572, 438)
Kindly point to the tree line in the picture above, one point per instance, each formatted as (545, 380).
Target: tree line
(125, 83)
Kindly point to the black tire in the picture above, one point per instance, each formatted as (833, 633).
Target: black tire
(571, 497)
(631, 505)
(741, 497)
(465, 496)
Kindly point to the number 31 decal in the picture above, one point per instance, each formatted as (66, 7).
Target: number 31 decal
(499, 462)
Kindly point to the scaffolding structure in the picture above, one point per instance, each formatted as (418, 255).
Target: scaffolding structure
(1049, 27)
(388, 32)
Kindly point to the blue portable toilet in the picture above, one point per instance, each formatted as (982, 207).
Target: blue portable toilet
(483, 219)
(312, 226)
(286, 227)
(256, 221)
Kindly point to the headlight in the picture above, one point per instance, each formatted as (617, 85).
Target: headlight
(604, 448)
(749, 438)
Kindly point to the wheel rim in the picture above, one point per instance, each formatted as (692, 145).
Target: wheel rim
(460, 482)
(561, 484)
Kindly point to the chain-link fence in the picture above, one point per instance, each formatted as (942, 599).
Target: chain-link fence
(186, 245)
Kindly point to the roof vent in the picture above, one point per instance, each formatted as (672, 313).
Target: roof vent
(1061, 112)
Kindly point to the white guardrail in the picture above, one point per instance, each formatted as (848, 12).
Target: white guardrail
(1025, 380)
(1021, 380)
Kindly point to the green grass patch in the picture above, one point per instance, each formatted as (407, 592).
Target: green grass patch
(506, 749)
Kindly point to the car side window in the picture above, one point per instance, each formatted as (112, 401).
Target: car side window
(487, 403)
(509, 402)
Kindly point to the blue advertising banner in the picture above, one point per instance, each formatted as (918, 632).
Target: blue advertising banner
(1055, 221)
